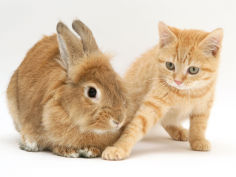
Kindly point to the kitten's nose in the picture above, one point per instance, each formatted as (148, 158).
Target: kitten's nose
(178, 82)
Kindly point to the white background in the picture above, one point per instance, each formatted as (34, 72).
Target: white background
(125, 29)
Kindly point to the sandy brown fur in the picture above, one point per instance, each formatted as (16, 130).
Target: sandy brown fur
(47, 102)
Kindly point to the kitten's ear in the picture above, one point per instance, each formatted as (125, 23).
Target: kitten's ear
(211, 44)
(70, 46)
(166, 35)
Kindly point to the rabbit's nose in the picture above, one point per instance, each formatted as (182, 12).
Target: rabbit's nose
(114, 123)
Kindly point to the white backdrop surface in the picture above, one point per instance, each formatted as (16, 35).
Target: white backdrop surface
(125, 28)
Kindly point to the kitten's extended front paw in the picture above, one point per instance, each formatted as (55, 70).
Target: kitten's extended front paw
(200, 145)
(114, 153)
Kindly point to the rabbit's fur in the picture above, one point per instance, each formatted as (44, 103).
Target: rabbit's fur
(48, 96)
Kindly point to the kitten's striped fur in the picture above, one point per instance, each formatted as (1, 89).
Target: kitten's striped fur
(156, 96)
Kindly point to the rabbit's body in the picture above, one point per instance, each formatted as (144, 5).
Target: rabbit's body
(49, 102)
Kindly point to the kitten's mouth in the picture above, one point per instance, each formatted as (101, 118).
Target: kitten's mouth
(176, 86)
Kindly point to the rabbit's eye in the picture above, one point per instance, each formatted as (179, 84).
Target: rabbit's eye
(92, 92)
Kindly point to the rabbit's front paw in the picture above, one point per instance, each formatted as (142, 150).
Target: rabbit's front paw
(90, 152)
(65, 151)
(29, 145)
(114, 153)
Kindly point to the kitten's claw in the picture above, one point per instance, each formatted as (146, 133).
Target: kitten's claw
(114, 153)
(200, 145)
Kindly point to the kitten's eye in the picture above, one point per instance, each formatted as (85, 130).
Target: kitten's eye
(92, 92)
(193, 70)
(170, 66)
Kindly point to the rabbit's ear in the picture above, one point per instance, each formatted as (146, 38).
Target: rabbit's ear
(88, 40)
(71, 48)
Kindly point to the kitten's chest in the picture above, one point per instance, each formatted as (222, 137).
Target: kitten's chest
(177, 113)
(181, 110)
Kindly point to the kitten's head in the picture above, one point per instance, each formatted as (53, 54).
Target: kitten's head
(188, 59)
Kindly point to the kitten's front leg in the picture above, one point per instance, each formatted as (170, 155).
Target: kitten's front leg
(149, 113)
(198, 124)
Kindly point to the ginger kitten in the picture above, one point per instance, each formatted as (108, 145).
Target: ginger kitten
(173, 81)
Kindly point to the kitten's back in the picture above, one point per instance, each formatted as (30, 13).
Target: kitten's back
(139, 78)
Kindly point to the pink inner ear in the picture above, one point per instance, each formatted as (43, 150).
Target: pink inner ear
(212, 45)
(165, 35)
(215, 51)
(165, 38)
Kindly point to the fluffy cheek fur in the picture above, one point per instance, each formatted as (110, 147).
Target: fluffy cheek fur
(92, 117)
(189, 81)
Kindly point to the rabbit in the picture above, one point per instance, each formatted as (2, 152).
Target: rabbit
(65, 96)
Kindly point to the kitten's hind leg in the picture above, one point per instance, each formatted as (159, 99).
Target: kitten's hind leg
(172, 124)
(177, 133)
